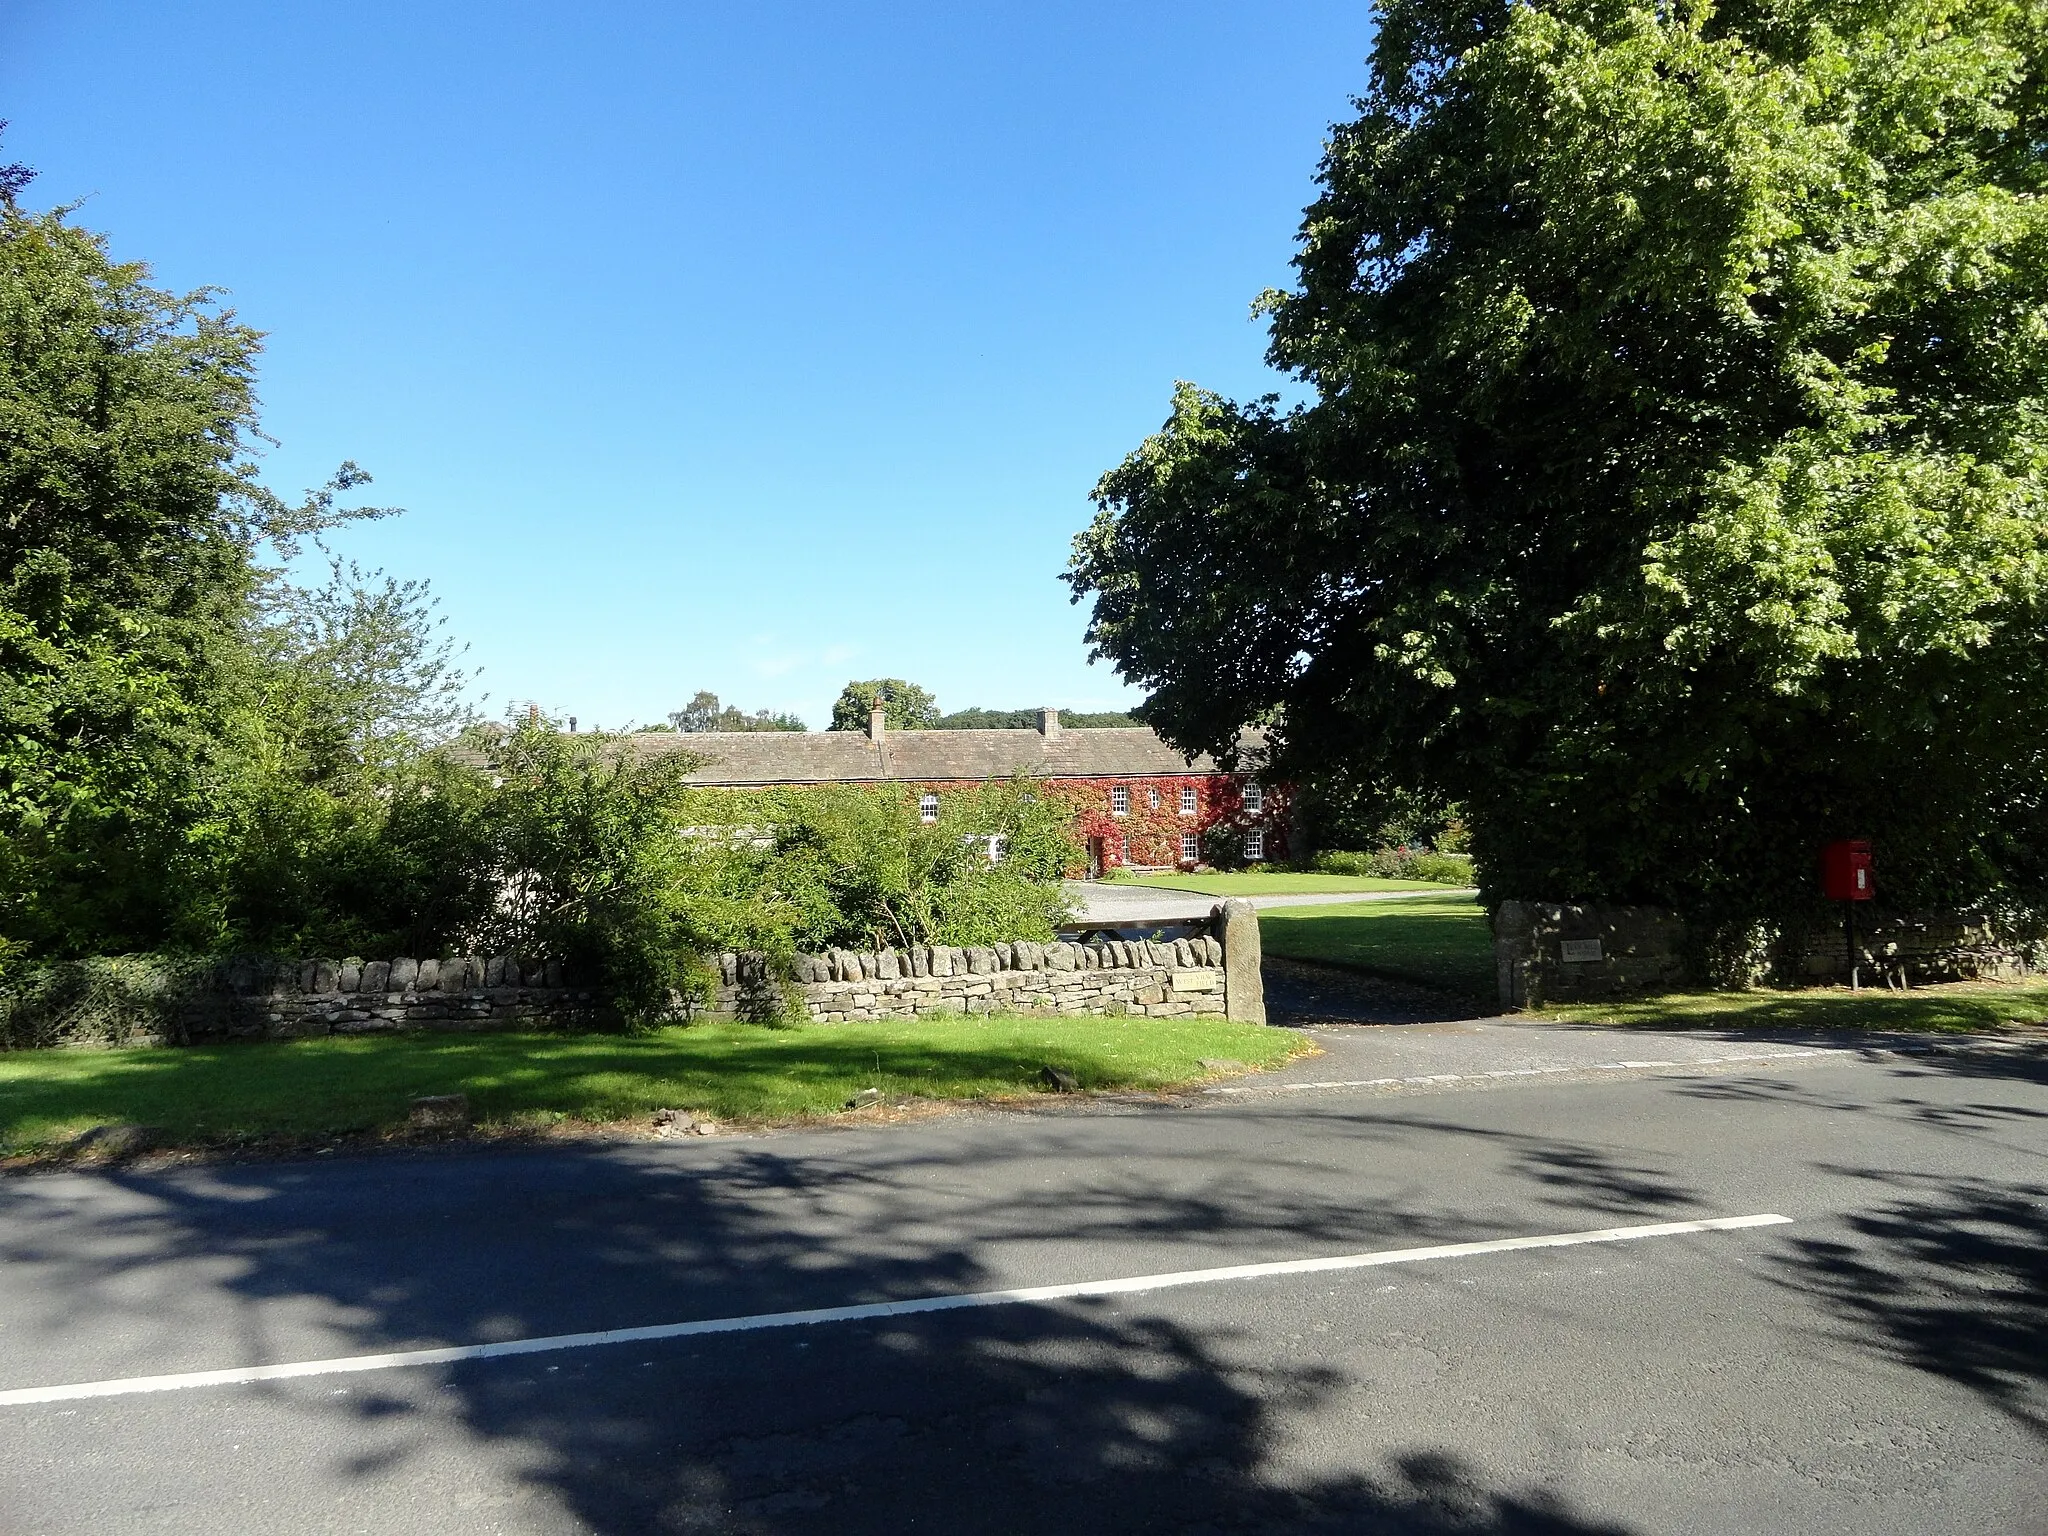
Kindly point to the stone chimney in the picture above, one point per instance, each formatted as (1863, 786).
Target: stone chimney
(876, 718)
(1049, 724)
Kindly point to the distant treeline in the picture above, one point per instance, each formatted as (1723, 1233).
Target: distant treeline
(1017, 719)
(909, 708)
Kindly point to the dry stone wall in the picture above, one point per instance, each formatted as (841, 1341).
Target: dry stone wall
(289, 1000)
(1149, 978)
(1547, 952)
(1154, 978)
(1909, 948)
(1557, 953)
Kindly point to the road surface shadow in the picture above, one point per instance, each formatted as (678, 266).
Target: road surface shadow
(1301, 993)
(1082, 1417)
(1950, 1274)
(1951, 1277)
(1108, 1415)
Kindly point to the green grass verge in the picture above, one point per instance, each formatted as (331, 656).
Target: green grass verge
(1446, 942)
(1970, 1007)
(1258, 883)
(336, 1086)
(1441, 941)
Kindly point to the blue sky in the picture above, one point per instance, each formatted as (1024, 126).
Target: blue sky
(750, 347)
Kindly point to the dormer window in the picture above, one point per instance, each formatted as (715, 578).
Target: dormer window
(1120, 800)
(1254, 799)
(928, 807)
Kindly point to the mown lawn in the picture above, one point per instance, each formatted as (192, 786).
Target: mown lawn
(311, 1088)
(1959, 1007)
(1440, 941)
(1260, 883)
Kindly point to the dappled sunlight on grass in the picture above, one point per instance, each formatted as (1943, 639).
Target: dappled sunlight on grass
(316, 1087)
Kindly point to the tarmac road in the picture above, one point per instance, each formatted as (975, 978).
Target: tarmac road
(1874, 1364)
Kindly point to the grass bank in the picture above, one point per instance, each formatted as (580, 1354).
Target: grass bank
(1441, 941)
(305, 1089)
(1261, 883)
(1964, 1007)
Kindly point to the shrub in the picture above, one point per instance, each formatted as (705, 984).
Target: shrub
(565, 847)
(104, 1001)
(1223, 847)
(1399, 864)
(579, 843)
(788, 870)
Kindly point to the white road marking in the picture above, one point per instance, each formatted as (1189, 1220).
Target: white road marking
(1433, 1078)
(241, 1375)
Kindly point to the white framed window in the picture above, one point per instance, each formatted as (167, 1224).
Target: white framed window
(1255, 843)
(1119, 799)
(928, 806)
(1190, 848)
(1152, 796)
(1254, 799)
(1188, 803)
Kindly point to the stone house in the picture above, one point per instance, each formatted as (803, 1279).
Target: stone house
(1139, 803)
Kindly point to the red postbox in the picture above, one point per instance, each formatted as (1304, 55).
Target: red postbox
(1845, 877)
(1845, 871)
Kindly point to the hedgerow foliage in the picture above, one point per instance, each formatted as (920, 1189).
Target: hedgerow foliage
(803, 869)
(536, 841)
(104, 1002)
(1672, 493)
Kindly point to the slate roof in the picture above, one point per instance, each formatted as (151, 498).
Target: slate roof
(840, 757)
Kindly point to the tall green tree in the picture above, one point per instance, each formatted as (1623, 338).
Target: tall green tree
(1671, 490)
(131, 518)
(910, 708)
(345, 689)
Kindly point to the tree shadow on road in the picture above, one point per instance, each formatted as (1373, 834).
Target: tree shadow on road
(1950, 1276)
(1947, 1273)
(1018, 1421)
(1300, 992)
(1086, 1416)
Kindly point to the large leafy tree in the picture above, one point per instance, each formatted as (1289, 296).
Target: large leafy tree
(909, 707)
(131, 519)
(1671, 489)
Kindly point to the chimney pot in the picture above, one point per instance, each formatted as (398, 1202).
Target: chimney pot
(876, 719)
(1049, 723)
